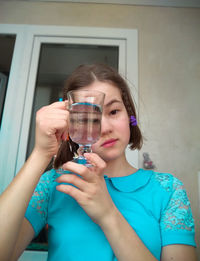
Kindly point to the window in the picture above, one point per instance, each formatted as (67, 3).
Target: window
(7, 43)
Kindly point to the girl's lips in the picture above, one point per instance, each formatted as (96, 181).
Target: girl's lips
(109, 143)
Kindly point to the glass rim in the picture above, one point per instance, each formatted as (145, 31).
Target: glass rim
(86, 91)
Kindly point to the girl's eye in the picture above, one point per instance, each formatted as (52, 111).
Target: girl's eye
(114, 112)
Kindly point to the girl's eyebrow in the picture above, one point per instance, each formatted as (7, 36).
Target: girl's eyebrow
(111, 102)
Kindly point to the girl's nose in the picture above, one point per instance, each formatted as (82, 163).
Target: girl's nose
(106, 126)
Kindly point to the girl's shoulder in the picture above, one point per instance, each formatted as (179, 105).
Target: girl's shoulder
(163, 181)
(169, 189)
(49, 175)
(168, 182)
(48, 178)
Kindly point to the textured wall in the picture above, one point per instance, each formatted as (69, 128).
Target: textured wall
(169, 74)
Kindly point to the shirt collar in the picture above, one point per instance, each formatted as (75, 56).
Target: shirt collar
(132, 182)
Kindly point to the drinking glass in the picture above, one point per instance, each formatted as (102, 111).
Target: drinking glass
(85, 113)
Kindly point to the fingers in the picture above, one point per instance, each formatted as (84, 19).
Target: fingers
(87, 173)
(71, 191)
(61, 104)
(53, 117)
(87, 184)
(98, 164)
(61, 113)
(73, 179)
(55, 110)
(51, 127)
(79, 169)
(89, 190)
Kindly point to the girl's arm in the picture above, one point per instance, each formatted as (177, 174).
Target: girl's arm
(178, 253)
(128, 246)
(51, 124)
(125, 243)
(14, 201)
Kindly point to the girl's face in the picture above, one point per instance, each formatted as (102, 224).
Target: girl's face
(115, 131)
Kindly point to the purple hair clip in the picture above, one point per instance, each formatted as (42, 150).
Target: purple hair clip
(133, 120)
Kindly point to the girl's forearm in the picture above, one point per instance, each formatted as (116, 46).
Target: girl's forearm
(14, 200)
(124, 241)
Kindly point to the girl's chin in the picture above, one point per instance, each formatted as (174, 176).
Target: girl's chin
(108, 156)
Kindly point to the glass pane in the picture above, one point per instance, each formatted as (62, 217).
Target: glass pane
(7, 43)
(57, 61)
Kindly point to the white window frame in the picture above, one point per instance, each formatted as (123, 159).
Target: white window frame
(14, 103)
(21, 84)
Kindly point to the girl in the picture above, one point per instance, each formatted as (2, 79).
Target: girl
(110, 211)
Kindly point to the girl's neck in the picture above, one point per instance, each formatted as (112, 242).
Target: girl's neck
(119, 168)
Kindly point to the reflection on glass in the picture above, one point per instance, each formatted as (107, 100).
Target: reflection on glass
(56, 62)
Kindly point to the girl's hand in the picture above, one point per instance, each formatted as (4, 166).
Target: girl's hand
(91, 191)
(51, 128)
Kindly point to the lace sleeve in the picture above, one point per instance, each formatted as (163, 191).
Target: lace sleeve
(38, 206)
(177, 224)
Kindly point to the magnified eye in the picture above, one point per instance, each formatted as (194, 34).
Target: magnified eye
(85, 121)
(96, 121)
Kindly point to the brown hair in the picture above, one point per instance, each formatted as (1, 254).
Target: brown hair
(85, 75)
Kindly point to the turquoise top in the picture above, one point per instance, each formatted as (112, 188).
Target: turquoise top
(154, 204)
